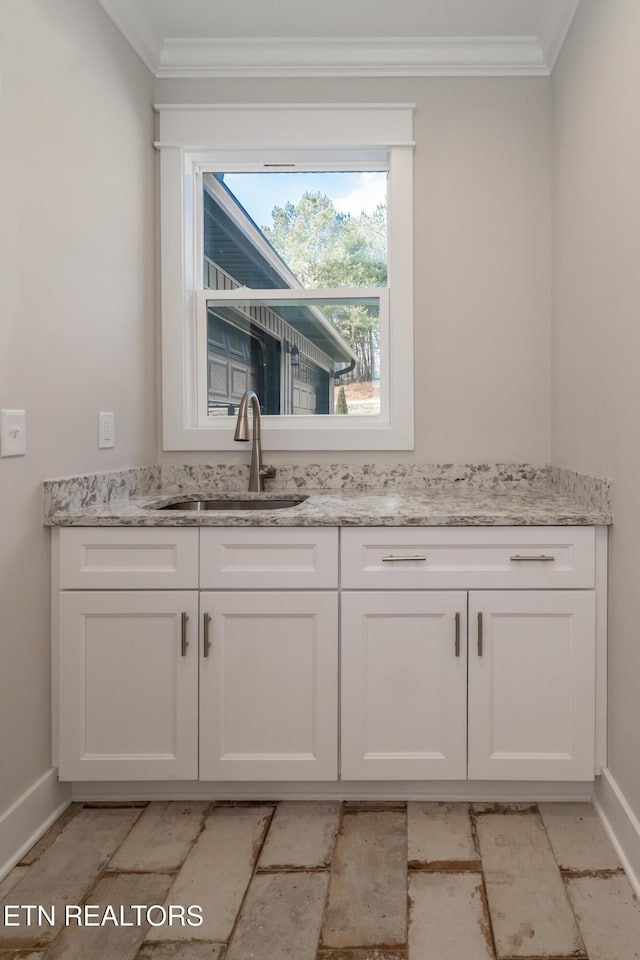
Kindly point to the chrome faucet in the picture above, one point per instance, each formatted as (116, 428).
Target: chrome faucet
(258, 473)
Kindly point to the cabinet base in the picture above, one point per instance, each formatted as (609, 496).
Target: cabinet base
(479, 791)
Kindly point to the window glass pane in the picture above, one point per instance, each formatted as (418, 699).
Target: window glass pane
(300, 355)
(269, 230)
(295, 230)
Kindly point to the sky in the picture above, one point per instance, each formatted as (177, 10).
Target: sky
(351, 192)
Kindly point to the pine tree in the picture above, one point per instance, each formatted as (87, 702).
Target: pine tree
(326, 248)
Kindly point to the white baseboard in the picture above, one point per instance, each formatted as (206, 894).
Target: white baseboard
(621, 824)
(30, 816)
(448, 790)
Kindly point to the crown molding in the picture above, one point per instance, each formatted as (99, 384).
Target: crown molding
(553, 29)
(352, 57)
(135, 27)
(344, 56)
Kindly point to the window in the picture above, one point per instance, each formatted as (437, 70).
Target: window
(287, 269)
(299, 229)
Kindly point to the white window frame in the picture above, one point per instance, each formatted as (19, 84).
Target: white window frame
(196, 137)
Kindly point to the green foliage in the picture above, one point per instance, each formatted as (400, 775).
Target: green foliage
(326, 248)
(341, 402)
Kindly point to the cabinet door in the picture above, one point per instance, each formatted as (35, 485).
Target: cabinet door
(128, 685)
(531, 685)
(269, 686)
(404, 686)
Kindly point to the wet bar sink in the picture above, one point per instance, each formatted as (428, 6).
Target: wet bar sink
(237, 503)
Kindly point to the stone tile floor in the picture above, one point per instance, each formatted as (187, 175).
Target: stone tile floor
(321, 881)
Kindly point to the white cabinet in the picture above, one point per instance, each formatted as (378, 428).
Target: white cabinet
(404, 686)
(128, 685)
(269, 669)
(530, 710)
(531, 685)
(213, 654)
(137, 694)
(269, 686)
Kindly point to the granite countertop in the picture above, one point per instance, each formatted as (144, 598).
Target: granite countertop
(447, 506)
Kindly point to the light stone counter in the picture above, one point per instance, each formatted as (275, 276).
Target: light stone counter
(446, 504)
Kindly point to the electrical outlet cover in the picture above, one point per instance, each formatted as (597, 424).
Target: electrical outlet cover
(13, 433)
(106, 430)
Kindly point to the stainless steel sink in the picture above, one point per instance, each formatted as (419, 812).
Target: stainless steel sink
(237, 503)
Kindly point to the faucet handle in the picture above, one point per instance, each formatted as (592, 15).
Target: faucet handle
(267, 473)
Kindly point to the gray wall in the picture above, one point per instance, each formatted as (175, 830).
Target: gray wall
(77, 256)
(596, 337)
(482, 257)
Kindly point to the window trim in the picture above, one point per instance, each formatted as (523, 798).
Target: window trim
(192, 135)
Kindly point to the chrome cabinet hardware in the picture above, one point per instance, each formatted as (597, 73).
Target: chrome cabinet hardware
(184, 643)
(457, 643)
(479, 634)
(206, 643)
(542, 558)
(393, 559)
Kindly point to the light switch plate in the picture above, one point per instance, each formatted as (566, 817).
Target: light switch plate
(13, 433)
(106, 430)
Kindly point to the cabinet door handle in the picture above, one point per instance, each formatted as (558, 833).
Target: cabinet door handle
(542, 558)
(393, 559)
(479, 634)
(206, 643)
(184, 643)
(457, 644)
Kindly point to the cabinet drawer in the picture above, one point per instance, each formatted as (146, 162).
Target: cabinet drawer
(131, 558)
(281, 558)
(468, 557)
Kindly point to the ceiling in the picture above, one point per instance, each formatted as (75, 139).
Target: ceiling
(208, 38)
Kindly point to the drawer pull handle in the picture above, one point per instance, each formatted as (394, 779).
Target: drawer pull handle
(457, 644)
(479, 634)
(184, 643)
(206, 643)
(543, 558)
(393, 559)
